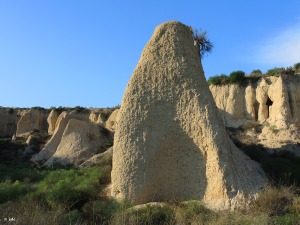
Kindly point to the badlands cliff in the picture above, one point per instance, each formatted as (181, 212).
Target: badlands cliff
(272, 103)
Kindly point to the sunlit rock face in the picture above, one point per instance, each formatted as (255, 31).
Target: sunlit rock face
(170, 142)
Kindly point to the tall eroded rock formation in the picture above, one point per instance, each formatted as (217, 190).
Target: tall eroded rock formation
(34, 119)
(170, 141)
(80, 141)
(51, 120)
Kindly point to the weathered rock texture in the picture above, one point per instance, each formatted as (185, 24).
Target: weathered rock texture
(94, 117)
(74, 140)
(79, 142)
(8, 121)
(274, 100)
(34, 119)
(170, 141)
(110, 124)
(273, 103)
(51, 146)
(52, 118)
(99, 159)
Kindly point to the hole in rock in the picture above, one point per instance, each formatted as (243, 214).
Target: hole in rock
(256, 106)
(269, 103)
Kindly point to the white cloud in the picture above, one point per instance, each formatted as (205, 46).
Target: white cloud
(283, 49)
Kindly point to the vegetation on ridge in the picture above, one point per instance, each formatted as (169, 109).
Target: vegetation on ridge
(239, 76)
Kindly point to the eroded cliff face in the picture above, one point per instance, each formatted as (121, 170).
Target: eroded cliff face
(271, 102)
(9, 118)
(275, 100)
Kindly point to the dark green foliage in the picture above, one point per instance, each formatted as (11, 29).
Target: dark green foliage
(79, 109)
(191, 211)
(11, 111)
(9, 150)
(147, 215)
(205, 45)
(274, 201)
(297, 67)
(21, 171)
(102, 211)
(70, 187)
(273, 72)
(10, 191)
(71, 217)
(60, 109)
(237, 77)
(256, 73)
(38, 108)
(281, 166)
(218, 80)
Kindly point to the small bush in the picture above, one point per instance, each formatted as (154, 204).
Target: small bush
(102, 212)
(296, 205)
(70, 187)
(274, 72)
(71, 217)
(218, 80)
(193, 212)
(274, 129)
(11, 111)
(79, 109)
(21, 172)
(146, 215)
(289, 71)
(10, 191)
(297, 67)
(38, 108)
(280, 166)
(237, 77)
(274, 201)
(256, 73)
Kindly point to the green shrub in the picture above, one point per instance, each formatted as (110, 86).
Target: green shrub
(71, 217)
(275, 71)
(70, 187)
(281, 166)
(11, 111)
(289, 71)
(147, 214)
(274, 129)
(274, 201)
(29, 211)
(287, 219)
(10, 191)
(79, 109)
(218, 80)
(296, 205)
(237, 77)
(193, 212)
(102, 211)
(256, 73)
(297, 67)
(38, 108)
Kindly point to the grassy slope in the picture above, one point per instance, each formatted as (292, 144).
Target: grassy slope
(77, 196)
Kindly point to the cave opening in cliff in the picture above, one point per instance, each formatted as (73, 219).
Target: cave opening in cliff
(269, 103)
(256, 106)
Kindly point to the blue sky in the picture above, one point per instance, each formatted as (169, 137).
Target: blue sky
(71, 52)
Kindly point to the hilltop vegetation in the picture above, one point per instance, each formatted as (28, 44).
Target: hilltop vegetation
(238, 77)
